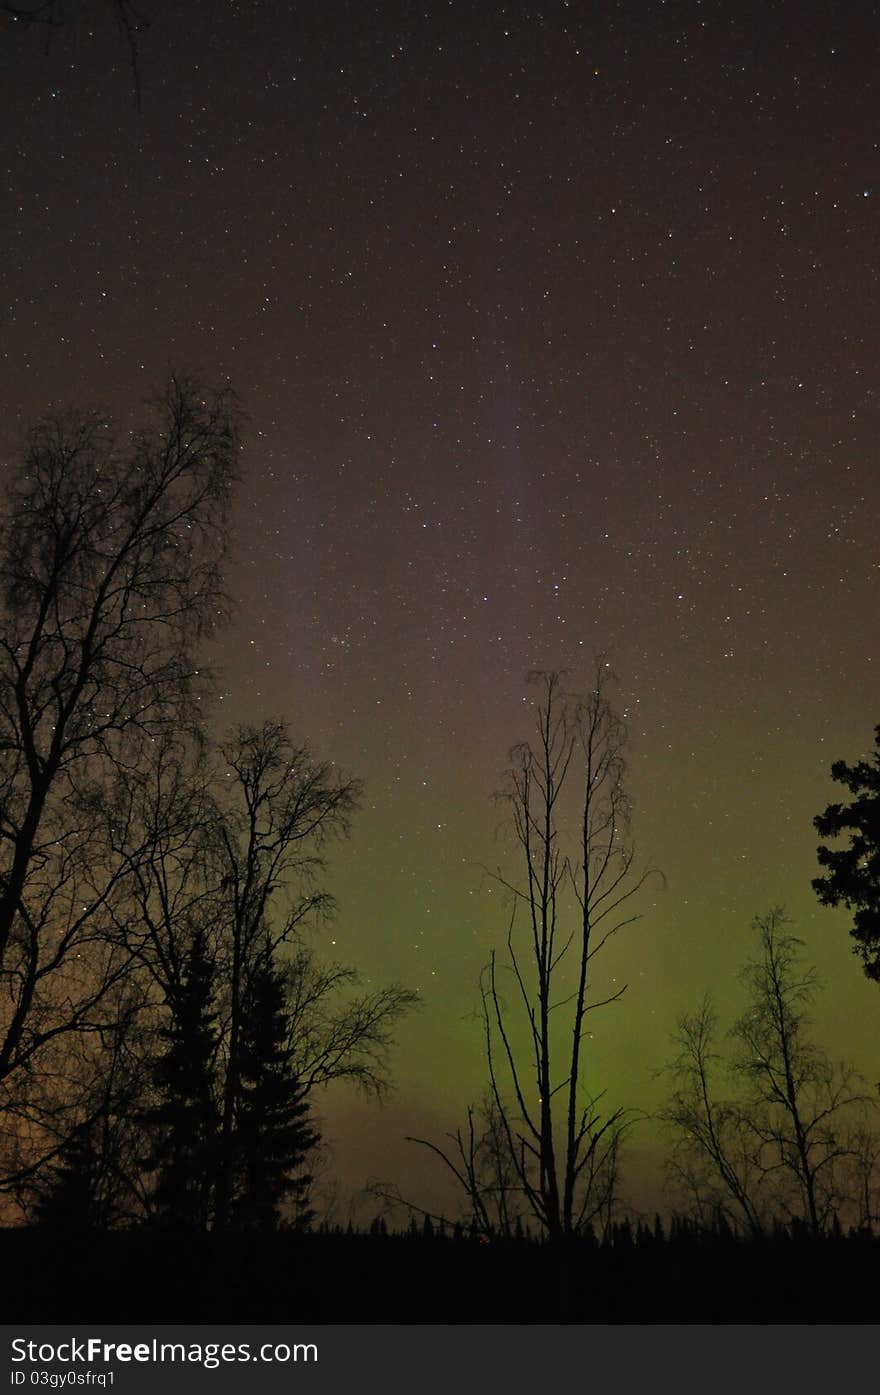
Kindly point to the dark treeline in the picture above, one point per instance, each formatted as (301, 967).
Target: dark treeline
(167, 1021)
(642, 1273)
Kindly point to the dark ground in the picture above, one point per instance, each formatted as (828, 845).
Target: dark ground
(143, 1277)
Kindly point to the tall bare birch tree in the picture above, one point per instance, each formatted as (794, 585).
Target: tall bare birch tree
(575, 890)
(110, 569)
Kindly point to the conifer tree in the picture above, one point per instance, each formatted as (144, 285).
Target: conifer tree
(69, 1197)
(852, 873)
(273, 1133)
(185, 1116)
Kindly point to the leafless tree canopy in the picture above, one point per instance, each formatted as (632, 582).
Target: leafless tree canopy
(110, 567)
(338, 1031)
(53, 16)
(774, 1129)
(712, 1157)
(797, 1098)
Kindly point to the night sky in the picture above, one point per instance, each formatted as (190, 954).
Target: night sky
(556, 326)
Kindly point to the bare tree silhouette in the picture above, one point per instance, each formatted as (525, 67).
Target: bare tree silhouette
(790, 1138)
(110, 568)
(796, 1099)
(546, 1136)
(712, 1155)
(52, 16)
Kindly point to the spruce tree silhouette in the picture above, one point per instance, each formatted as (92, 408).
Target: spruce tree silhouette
(853, 876)
(184, 1118)
(272, 1134)
(69, 1198)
